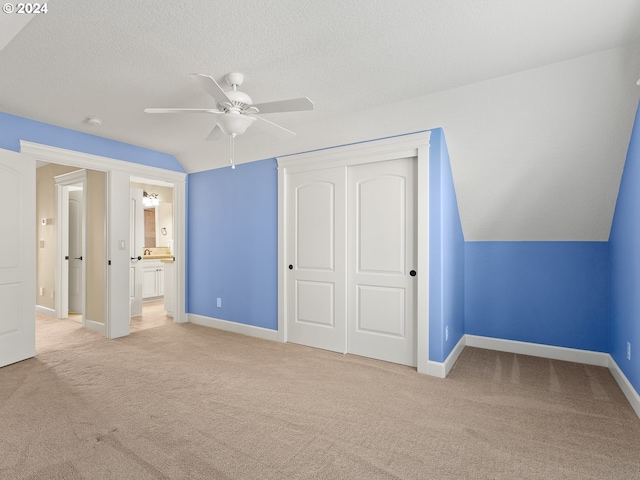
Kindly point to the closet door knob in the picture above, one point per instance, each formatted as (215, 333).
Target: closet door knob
(412, 273)
(290, 267)
(78, 258)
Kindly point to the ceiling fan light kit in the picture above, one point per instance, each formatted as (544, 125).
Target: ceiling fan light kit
(235, 111)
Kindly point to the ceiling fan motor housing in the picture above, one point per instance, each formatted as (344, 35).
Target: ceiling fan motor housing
(239, 100)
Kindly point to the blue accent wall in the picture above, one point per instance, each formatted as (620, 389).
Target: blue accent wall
(552, 293)
(14, 128)
(232, 243)
(446, 254)
(625, 265)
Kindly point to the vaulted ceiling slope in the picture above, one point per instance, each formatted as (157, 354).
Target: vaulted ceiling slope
(536, 98)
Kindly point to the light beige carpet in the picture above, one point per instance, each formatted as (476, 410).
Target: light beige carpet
(184, 401)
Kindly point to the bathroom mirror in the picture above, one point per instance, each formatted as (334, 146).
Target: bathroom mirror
(158, 225)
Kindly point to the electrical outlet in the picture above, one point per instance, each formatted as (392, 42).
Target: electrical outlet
(446, 333)
(42, 291)
(628, 350)
(219, 302)
(53, 294)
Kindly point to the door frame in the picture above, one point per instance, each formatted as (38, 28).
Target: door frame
(411, 145)
(63, 182)
(119, 175)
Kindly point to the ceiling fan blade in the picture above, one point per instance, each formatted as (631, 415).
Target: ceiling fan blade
(216, 134)
(273, 128)
(181, 110)
(292, 105)
(212, 87)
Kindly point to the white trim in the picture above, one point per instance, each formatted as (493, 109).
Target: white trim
(625, 385)
(537, 350)
(422, 259)
(442, 369)
(403, 146)
(282, 235)
(89, 161)
(95, 326)
(241, 328)
(560, 353)
(49, 312)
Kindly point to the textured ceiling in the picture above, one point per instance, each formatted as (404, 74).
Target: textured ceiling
(503, 78)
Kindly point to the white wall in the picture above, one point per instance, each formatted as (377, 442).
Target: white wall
(536, 155)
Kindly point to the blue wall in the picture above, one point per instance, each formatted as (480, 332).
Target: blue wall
(553, 293)
(13, 129)
(625, 265)
(232, 244)
(446, 254)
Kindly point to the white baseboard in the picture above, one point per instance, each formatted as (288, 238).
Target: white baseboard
(625, 385)
(49, 312)
(537, 350)
(234, 327)
(95, 326)
(561, 353)
(442, 369)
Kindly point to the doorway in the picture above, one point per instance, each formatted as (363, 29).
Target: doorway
(70, 255)
(152, 269)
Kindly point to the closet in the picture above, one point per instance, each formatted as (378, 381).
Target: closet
(350, 263)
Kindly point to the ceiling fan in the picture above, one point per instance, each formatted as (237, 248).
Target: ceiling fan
(235, 110)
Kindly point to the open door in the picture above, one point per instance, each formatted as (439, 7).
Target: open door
(136, 244)
(17, 257)
(77, 284)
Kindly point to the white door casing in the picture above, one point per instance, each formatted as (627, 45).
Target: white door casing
(407, 146)
(136, 244)
(65, 184)
(316, 252)
(17, 257)
(381, 246)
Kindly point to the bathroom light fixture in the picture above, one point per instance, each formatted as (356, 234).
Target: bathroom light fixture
(150, 199)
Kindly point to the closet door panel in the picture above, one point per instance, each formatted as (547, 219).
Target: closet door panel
(315, 271)
(381, 290)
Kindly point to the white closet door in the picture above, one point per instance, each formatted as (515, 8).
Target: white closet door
(316, 259)
(381, 233)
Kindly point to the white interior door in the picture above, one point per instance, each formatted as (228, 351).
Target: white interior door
(381, 275)
(17, 257)
(76, 254)
(136, 245)
(316, 259)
